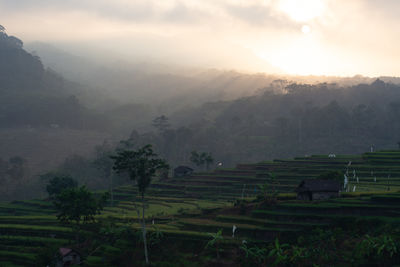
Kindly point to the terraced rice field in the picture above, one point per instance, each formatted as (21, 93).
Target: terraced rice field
(190, 208)
(28, 226)
(379, 171)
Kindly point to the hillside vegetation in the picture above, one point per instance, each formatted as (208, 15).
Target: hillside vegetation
(357, 228)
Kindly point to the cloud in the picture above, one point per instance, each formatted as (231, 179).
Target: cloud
(259, 15)
(345, 38)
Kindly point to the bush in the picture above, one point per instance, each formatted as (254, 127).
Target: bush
(59, 183)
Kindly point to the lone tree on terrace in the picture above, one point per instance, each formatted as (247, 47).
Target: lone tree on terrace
(141, 165)
(58, 183)
(201, 159)
(78, 205)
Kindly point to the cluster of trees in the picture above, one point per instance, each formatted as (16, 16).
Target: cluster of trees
(14, 173)
(15, 168)
(304, 119)
(77, 205)
(201, 159)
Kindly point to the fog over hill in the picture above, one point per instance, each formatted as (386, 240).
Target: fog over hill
(55, 101)
(166, 87)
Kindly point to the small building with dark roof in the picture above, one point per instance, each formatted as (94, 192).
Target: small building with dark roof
(182, 171)
(318, 189)
(68, 257)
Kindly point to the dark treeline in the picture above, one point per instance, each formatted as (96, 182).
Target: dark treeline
(300, 119)
(31, 96)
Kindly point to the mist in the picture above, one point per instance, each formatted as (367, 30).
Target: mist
(256, 36)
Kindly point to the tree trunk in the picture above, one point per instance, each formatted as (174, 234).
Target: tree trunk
(112, 191)
(144, 232)
(78, 228)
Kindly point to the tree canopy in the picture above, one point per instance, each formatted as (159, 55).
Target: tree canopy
(58, 183)
(78, 205)
(141, 165)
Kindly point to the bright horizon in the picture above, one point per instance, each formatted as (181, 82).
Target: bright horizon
(297, 37)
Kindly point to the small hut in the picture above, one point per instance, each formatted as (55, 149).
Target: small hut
(318, 189)
(182, 171)
(68, 257)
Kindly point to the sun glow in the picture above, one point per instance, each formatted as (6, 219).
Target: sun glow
(303, 55)
(306, 29)
(302, 10)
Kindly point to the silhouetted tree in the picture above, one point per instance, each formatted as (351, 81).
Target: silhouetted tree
(141, 165)
(161, 123)
(208, 160)
(195, 158)
(78, 205)
(58, 183)
(201, 159)
(104, 162)
(17, 166)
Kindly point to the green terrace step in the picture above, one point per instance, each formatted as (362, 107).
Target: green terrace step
(218, 178)
(234, 172)
(9, 264)
(267, 222)
(30, 240)
(315, 217)
(36, 230)
(25, 259)
(340, 209)
(390, 199)
(35, 203)
(30, 220)
(243, 230)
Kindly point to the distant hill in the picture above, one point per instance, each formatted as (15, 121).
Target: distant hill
(18, 68)
(286, 120)
(32, 96)
(42, 118)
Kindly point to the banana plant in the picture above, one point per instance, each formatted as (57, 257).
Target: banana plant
(215, 241)
(278, 253)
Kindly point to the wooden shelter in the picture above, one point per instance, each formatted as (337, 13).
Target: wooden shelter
(318, 189)
(182, 171)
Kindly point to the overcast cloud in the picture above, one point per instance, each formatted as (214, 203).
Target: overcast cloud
(343, 37)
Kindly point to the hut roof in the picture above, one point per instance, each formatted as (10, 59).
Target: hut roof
(65, 251)
(318, 185)
(183, 169)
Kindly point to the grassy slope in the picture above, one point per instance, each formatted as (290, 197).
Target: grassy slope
(185, 210)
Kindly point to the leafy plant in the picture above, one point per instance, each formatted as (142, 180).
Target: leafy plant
(215, 241)
(278, 253)
(268, 193)
(254, 254)
(156, 236)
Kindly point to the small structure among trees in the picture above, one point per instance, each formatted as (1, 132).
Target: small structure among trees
(182, 171)
(318, 189)
(68, 257)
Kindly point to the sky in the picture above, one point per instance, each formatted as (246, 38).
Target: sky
(305, 37)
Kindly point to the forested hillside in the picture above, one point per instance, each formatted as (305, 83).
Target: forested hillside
(287, 120)
(34, 97)
(42, 120)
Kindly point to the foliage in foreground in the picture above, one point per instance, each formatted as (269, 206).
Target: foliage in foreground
(326, 248)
